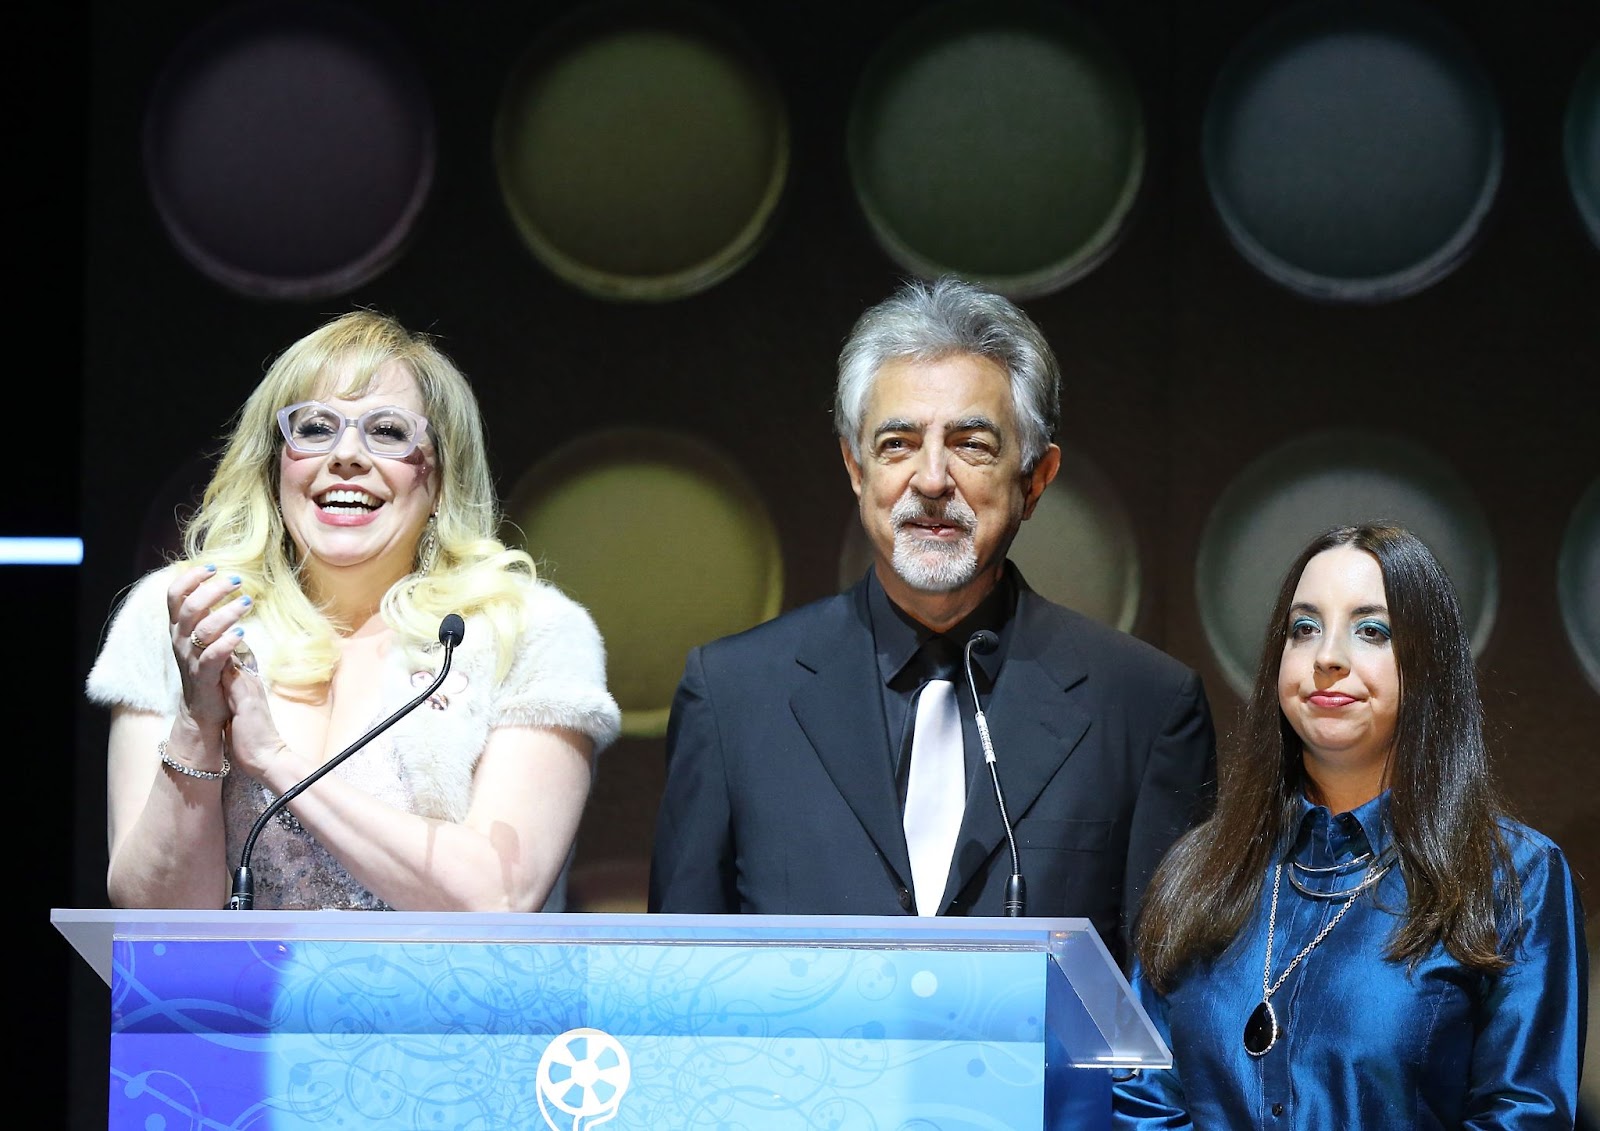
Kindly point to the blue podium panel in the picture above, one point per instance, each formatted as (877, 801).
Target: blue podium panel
(344, 1021)
(310, 1034)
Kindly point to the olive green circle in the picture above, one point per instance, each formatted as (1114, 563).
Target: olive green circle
(641, 151)
(1004, 142)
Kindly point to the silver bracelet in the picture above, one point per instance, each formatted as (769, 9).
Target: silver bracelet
(189, 771)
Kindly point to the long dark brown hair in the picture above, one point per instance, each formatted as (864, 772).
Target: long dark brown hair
(1443, 812)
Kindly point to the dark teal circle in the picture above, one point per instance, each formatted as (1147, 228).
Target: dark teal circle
(1353, 150)
(1581, 144)
(1315, 481)
(1578, 582)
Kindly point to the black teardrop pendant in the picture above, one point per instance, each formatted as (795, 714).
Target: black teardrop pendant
(1261, 1031)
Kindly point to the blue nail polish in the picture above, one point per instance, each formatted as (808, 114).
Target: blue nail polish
(244, 600)
(233, 579)
(238, 631)
(210, 568)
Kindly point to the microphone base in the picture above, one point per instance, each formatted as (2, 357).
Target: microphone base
(244, 894)
(1016, 896)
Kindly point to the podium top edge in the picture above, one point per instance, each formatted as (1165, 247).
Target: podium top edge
(468, 926)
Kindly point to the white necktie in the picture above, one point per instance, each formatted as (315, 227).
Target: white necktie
(936, 792)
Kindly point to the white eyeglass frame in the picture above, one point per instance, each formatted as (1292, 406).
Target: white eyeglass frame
(356, 422)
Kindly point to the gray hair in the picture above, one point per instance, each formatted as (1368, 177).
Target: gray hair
(928, 321)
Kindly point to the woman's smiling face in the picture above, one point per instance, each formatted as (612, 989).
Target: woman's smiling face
(351, 513)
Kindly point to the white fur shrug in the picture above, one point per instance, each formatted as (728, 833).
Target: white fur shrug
(557, 679)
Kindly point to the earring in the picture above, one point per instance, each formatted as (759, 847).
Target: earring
(291, 552)
(428, 548)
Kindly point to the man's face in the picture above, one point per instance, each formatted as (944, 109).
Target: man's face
(940, 481)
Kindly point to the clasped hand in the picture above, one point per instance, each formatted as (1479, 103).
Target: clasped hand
(221, 693)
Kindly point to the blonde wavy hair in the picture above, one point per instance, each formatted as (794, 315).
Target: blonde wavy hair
(240, 529)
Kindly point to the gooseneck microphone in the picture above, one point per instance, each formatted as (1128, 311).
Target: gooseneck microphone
(451, 631)
(983, 642)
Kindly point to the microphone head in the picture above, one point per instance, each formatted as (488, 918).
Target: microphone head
(452, 629)
(983, 642)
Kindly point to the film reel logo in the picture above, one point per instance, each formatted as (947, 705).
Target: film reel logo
(582, 1075)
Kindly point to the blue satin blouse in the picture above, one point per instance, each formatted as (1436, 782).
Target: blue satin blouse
(1364, 1042)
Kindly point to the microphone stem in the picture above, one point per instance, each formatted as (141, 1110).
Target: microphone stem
(1005, 819)
(1016, 897)
(243, 895)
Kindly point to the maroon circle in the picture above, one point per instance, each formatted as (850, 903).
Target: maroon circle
(289, 149)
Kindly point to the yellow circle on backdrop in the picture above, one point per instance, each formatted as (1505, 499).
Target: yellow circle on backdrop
(666, 543)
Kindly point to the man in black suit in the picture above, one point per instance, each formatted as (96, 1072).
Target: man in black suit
(789, 747)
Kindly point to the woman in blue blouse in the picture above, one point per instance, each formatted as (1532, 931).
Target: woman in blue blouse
(1360, 937)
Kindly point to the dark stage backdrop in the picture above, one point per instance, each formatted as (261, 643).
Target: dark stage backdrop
(1301, 264)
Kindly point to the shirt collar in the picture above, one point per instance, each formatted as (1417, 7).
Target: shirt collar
(1362, 829)
(897, 635)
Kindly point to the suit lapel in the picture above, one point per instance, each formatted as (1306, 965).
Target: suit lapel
(1032, 724)
(838, 704)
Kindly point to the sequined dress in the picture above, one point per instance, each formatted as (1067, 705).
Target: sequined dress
(289, 867)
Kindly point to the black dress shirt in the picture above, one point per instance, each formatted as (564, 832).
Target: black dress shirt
(908, 653)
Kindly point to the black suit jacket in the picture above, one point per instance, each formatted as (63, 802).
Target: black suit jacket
(780, 795)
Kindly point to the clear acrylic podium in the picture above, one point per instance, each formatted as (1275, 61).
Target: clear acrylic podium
(341, 1020)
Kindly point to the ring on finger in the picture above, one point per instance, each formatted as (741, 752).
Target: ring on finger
(194, 638)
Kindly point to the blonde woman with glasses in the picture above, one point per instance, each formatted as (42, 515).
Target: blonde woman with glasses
(350, 515)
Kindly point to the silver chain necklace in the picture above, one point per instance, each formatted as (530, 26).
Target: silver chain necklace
(1330, 872)
(1261, 1031)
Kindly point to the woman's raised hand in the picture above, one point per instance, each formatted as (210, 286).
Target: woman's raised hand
(205, 634)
